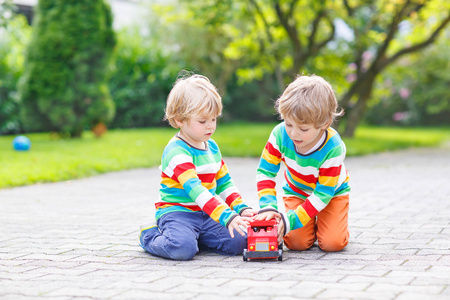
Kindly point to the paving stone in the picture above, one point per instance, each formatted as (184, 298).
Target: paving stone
(399, 240)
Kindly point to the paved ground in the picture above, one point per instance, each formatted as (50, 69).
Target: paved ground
(79, 239)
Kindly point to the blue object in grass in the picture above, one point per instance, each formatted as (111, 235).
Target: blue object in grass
(21, 143)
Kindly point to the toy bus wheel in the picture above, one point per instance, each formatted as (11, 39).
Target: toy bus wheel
(244, 255)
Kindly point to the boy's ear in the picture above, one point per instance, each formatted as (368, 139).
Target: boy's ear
(326, 125)
(179, 123)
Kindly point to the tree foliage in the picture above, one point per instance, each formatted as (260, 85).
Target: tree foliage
(6, 12)
(374, 52)
(384, 32)
(196, 41)
(267, 37)
(287, 37)
(415, 91)
(197, 35)
(64, 87)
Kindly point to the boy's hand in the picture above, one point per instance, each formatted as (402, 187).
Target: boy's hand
(236, 223)
(268, 215)
(249, 213)
(280, 231)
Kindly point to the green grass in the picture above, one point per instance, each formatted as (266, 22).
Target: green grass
(370, 140)
(51, 159)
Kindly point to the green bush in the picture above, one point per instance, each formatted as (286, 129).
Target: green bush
(13, 39)
(64, 87)
(144, 75)
(141, 81)
(251, 101)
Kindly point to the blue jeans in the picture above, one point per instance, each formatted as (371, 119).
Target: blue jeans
(180, 235)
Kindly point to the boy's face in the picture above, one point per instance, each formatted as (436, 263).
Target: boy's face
(304, 136)
(197, 129)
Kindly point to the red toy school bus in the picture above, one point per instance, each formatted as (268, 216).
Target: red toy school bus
(262, 241)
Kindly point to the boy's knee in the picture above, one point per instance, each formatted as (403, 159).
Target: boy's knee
(183, 251)
(183, 254)
(333, 245)
(146, 236)
(298, 243)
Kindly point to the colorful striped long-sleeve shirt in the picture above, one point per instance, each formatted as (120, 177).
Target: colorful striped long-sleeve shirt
(315, 177)
(192, 178)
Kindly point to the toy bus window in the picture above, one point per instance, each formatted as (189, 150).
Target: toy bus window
(266, 229)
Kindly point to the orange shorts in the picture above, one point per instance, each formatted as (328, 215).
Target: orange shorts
(329, 227)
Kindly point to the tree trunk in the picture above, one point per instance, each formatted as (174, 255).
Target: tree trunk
(354, 117)
(279, 78)
(357, 111)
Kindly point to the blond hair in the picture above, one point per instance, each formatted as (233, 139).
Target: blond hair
(192, 95)
(309, 100)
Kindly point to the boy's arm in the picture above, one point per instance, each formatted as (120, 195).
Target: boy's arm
(228, 191)
(181, 169)
(332, 174)
(268, 168)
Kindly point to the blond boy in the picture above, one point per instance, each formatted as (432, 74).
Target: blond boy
(189, 214)
(316, 187)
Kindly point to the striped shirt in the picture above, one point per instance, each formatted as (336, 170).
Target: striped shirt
(191, 180)
(315, 177)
